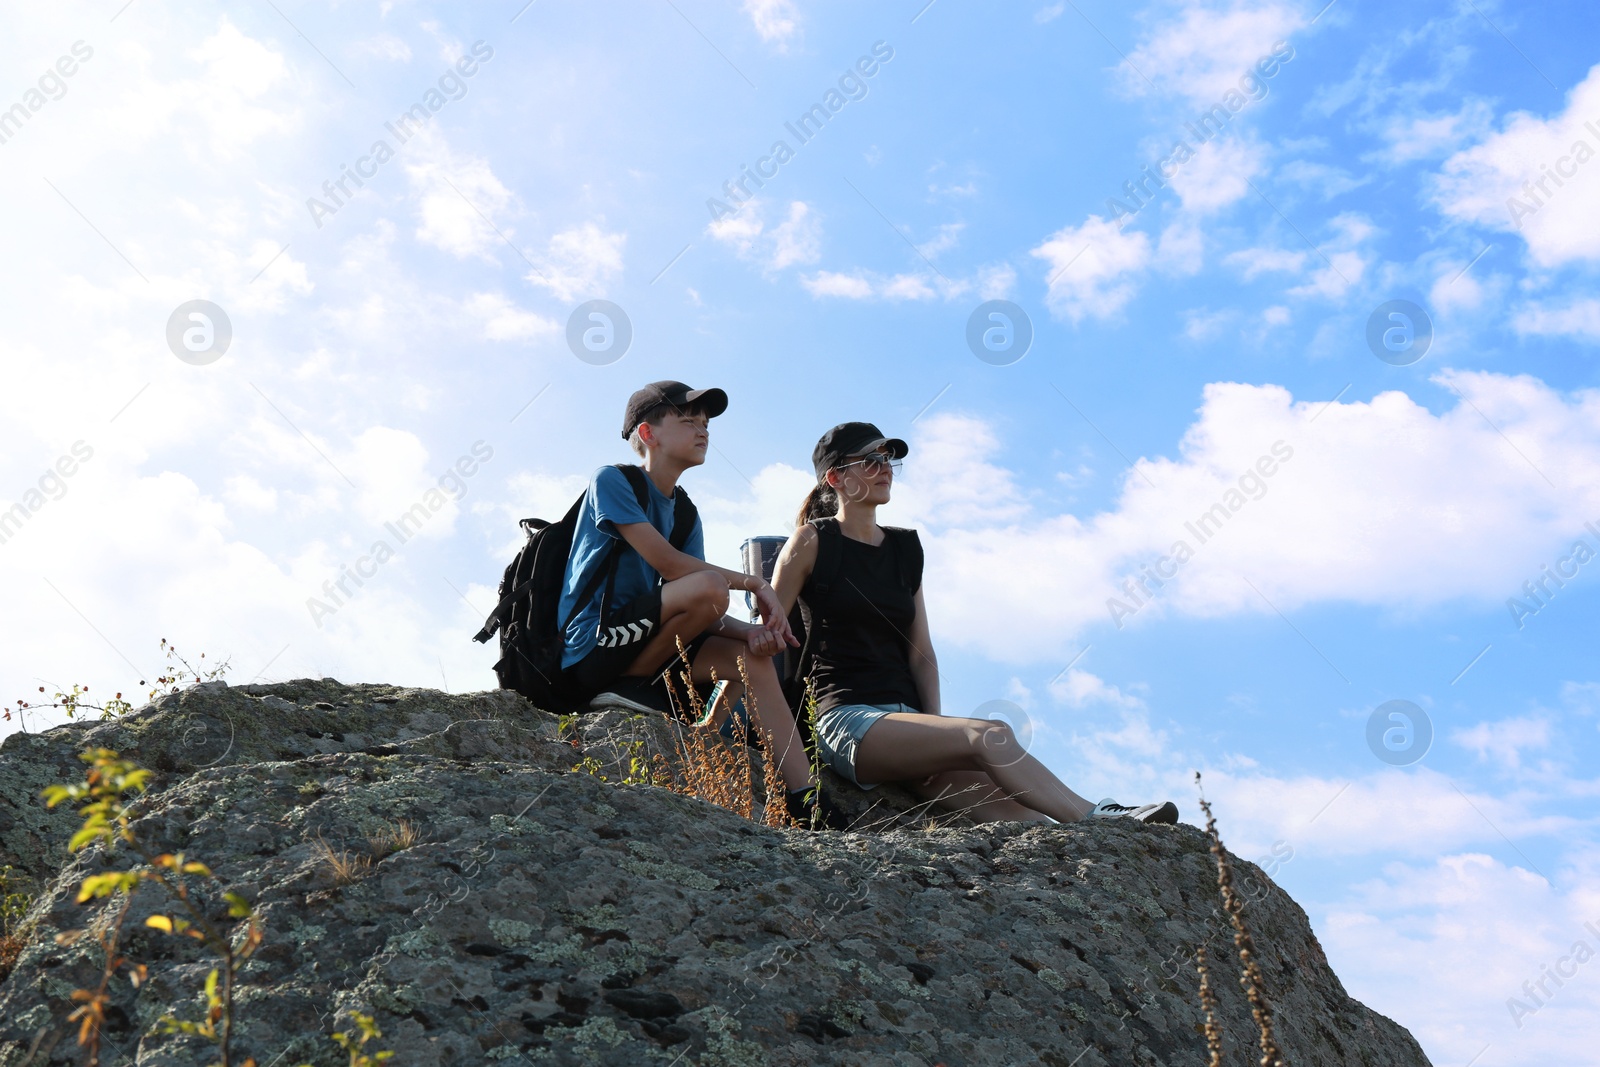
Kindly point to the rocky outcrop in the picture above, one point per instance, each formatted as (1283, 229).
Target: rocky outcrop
(545, 915)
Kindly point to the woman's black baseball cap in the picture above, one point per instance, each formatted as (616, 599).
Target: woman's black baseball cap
(713, 401)
(851, 439)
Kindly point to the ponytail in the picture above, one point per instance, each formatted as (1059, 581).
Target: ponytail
(821, 503)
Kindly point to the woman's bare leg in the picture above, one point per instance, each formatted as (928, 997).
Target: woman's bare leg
(905, 746)
(769, 712)
(974, 794)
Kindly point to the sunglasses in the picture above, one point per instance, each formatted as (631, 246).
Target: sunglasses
(875, 464)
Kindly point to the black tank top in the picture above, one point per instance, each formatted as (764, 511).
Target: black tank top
(863, 626)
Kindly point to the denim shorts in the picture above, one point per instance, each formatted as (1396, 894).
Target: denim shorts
(840, 730)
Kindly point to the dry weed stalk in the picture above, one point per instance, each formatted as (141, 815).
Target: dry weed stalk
(775, 811)
(1251, 979)
(1208, 1002)
(706, 768)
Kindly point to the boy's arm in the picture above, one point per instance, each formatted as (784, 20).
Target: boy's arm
(672, 564)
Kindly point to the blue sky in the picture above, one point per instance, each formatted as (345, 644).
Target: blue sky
(1174, 347)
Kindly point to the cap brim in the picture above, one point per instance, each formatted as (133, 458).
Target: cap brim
(715, 401)
(897, 448)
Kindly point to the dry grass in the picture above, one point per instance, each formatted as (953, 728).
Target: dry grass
(1254, 985)
(395, 838)
(345, 866)
(705, 767)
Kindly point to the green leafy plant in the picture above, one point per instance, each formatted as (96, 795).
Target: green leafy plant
(105, 798)
(354, 1042)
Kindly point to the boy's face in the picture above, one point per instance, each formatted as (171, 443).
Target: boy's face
(682, 438)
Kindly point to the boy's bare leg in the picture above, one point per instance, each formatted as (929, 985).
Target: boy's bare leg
(770, 713)
(690, 606)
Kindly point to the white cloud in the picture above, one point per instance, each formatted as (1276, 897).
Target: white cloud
(1201, 50)
(867, 285)
(578, 262)
(383, 46)
(947, 237)
(1181, 250)
(832, 283)
(1579, 319)
(1079, 688)
(1327, 181)
(969, 489)
(1202, 324)
(796, 240)
(1457, 286)
(775, 20)
(1504, 741)
(503, 320)
(451, 192)
(239, 70)
(996, 281)
(1537, 177)
(1093, 269)
(1219, 174)
(1049, 14)
(1448, 947)
(1341, 266)
(1419, 136)
(1355, 515)
(1256, 261)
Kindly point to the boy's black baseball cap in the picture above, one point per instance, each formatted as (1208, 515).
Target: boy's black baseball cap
(850, 439)
(714, 401)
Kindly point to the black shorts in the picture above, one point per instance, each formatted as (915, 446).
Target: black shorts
(625, 633)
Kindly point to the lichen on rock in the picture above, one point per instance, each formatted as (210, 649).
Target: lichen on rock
(545, 915)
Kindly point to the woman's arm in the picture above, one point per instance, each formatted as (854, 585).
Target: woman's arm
(796, 560)
(924, 664)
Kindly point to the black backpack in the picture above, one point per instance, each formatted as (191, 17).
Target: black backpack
(814, 597)
(531, 638)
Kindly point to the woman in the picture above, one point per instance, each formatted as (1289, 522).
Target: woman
(876, 678)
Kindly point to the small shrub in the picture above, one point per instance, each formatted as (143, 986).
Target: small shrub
(14, 904)
(105, 792)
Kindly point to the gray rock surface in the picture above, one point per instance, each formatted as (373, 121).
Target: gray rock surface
(547, 916)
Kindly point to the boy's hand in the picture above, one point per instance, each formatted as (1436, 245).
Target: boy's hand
(762, 642)
(773, 619)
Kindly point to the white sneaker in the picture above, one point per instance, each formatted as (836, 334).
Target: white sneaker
(1165, 812)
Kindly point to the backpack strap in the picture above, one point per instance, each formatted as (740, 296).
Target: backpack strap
(830, 546)
(684, 513)
(684, 517)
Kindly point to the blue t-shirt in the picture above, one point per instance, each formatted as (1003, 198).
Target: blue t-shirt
(610, 502)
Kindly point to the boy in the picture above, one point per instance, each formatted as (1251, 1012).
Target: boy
(619, 645)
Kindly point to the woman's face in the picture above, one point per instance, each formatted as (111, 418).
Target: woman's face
(864, 479)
